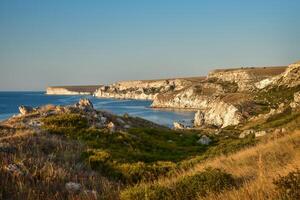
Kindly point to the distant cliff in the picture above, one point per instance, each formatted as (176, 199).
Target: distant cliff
(72, 90)
(143, 89)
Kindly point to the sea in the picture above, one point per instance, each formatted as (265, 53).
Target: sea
(10, 101)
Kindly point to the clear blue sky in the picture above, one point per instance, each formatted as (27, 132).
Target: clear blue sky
(61, 42)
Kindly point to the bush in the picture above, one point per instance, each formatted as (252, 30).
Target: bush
(289, 186)
(153, 192)
(66, 124)
(211, 180)
(188, 187)
(66, 120)
(139, 171)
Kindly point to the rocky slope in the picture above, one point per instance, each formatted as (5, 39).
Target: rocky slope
(72, 90)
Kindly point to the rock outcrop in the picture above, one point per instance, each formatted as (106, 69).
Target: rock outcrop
(296, 102)
(24, 110)
(220, 114)
(289, 78)
(178, 126)
(246, 78)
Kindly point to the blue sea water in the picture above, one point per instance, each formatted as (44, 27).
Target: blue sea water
(10, 101)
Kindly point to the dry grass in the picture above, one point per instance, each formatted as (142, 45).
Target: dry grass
(257, 167)
(262, 71)
(254, 168)
(45, 164)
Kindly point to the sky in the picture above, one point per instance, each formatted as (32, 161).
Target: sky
(72, 42)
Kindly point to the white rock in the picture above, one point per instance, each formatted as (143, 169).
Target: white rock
(296, 102)
(221, 114)
(260, 133)
(85, 104)
(204, 140)
(264, 83)
(246, 132)
(111, 126)
(178, 125)
(199, 119)
(24, 110)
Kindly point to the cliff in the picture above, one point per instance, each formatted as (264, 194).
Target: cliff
(72, 90)
(143, 89)
(230, 97)
(246, 78)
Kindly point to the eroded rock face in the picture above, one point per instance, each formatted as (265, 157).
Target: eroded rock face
(187, 98)
(289, 78)
(246, 78)
(140, 89)
(199, 118)
(220, 114)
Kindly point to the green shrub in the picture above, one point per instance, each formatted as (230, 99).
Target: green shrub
(188, 187)
(66, 120)
(210, 180)
(139, 171)
(153, 192)
(66, 124)
(288, 186)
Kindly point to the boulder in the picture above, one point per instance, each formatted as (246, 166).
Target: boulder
(111, 126)
(73, 187)
(178, 125)
(24, 110)
(246, 132)
(260, 133)
(204, 140)
(85, 104)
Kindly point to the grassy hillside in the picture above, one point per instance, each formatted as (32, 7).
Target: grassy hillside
(143, 163)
